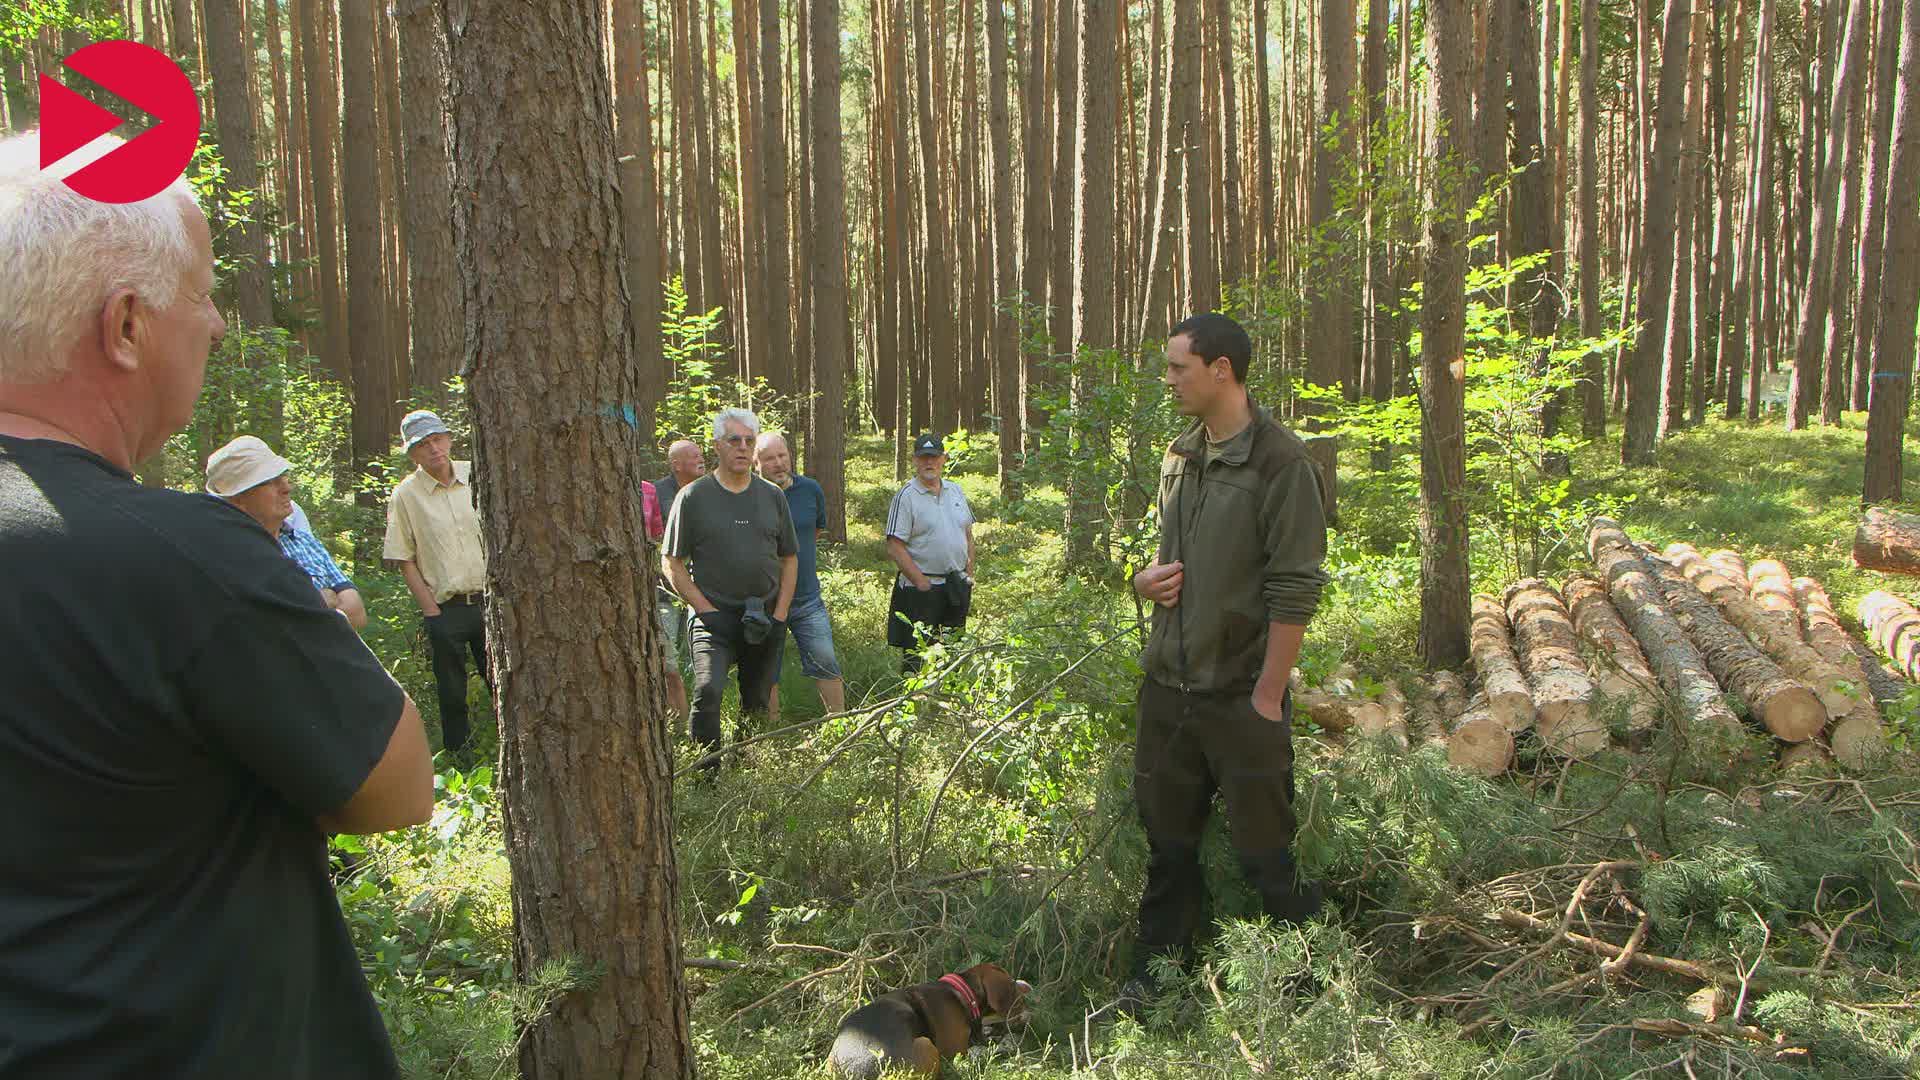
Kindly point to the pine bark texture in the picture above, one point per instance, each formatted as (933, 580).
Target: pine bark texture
(1619, 668)
(1887, 541)
(1509, 698)
(1550, 654)
(1775, 635)
(585, 765)
(640, 211)
(1859, 739)
(1894, 625)
(1639, 599)
(1789, 710)
(1004, 346)
(1093, 226)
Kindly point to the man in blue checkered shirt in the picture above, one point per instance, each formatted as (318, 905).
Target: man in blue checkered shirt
(253, 479)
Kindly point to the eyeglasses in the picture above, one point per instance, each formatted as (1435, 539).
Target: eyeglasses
(736, 440)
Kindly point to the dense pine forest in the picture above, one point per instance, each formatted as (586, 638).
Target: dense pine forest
(1598, 320)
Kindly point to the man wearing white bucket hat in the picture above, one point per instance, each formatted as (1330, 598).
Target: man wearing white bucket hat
(247, 474)
(434, 534)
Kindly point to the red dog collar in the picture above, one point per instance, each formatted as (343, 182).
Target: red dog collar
(960, 987)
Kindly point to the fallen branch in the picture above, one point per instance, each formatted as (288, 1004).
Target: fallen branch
(1213, 984)
(1520, 920)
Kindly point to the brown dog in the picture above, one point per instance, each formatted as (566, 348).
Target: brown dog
(920, 1026)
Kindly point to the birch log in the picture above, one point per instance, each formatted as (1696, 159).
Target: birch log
(1859, 738)
(1550, 654)
(1637, 596)
(1791, 711)
(1509, 699)
(1774, 633)
(1620, 670)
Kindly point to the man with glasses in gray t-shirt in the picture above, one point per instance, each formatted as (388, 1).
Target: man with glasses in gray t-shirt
(731, 554)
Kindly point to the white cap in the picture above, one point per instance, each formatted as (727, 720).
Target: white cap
(244, 463)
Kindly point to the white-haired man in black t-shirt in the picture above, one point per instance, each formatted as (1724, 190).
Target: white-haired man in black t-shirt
(184, 721)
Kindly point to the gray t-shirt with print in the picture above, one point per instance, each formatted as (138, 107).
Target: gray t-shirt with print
(733, 542)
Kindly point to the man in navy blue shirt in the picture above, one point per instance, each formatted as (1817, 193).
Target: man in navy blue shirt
(807, 619)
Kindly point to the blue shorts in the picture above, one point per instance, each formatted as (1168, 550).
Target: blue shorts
(812, 631)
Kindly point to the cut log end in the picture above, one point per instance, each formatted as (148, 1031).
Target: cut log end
(1481, 745)
(1792, 712)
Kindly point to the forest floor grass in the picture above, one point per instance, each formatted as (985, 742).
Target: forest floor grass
(982, 813)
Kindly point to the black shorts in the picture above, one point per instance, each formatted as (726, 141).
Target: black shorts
(937, 607)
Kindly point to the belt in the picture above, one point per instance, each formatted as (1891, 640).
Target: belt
(465, 598)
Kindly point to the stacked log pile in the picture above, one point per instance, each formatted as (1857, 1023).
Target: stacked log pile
(1654, 635)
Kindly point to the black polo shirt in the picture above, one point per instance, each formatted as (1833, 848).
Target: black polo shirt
(178, 707)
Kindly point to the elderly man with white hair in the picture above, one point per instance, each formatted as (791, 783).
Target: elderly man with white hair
(183, 720)
(730, 553)
(247, 475)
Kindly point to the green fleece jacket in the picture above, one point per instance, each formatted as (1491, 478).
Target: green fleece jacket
(1250, 529)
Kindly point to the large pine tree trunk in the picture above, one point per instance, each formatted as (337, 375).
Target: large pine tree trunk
(583, 732)
(1900, 289)
(233, 94)
(640, 211)
(826, 456)
(1445, 582)
(373, 391)
(1656, 244)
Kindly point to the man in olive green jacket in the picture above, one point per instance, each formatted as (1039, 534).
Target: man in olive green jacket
(1237, 578)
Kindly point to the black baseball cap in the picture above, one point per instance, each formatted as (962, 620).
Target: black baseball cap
(927, 445)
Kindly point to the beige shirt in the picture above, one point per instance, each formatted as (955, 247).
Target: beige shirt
(434, 526)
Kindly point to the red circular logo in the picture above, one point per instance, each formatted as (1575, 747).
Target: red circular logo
(146, 79)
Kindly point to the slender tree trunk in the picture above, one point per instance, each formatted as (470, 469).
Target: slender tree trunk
(1376, 293)
(253, 275)
(1804, 389)
(1005, 327)
(1740, 304)
(1656, 258)
(1840, 315)
(1593, 413)
(1233, 262)
(1532, 205)
(321, 119)
(1873, 227)
(1490, 117)
(1445, 581)
(284, 190)
(1729, 60)
(1036, 244)
(1679, 338)
(640, 211)
(373, 389)
(1184, 73)
(1066, 106)
(1263, 140)
(1203, 273)
(433, 285)
(1093, 315)
(831, 347)
(1893, 345)
(778, 350)
(1330, 345)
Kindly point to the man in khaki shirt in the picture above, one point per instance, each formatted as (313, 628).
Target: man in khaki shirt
(434, 534)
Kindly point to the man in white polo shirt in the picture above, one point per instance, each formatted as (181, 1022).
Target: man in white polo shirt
(930, 538)
(434, 534)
